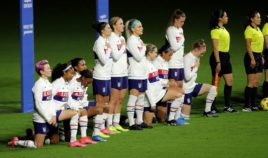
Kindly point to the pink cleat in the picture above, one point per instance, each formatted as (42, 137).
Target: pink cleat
(76, 144)
(12, 143)
(87, 140)
(106, 131)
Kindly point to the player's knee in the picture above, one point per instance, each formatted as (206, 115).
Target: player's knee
(212, 90)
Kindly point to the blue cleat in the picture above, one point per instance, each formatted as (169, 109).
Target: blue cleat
(98, 138)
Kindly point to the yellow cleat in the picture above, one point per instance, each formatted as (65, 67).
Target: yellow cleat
(113, 130)
(120, 128)
(104, 135)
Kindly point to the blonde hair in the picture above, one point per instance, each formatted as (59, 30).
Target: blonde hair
(199, 43)
(113, 21)
(150, 48)
(130, 24)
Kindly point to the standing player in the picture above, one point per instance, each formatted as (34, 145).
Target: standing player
(191, 88)
(265, 55)
(175, 38)
(119, 80)
(102, 77)
(253, 59)
(137, 77)
(220, 58)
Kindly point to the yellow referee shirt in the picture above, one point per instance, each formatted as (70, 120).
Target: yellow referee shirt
(257, 39)
(265, 29)
(223, 37)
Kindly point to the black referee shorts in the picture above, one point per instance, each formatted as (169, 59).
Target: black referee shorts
(259, 66)
(265, 55)
(226, 67)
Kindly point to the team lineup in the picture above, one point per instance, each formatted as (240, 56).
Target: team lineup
(161, 83)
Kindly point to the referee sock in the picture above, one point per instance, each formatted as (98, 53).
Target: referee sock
(254, 96)
(265, 89)
(248, 93)
(227, 95)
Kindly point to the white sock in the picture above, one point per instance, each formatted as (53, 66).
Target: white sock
(104, 117)
(178, 112)
(174, 108)
(110, 120)
(210, 98)
(186, 117)
(25, 143)
(83, 120)
(131, 109)
(116, 119)
(139, 108)
(74, 127)
(98, 120)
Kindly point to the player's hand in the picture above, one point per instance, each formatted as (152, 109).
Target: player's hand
(53, 121)
(252, 63)
(123, 42)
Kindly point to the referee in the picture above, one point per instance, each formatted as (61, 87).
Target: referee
(220, 58)
(253, 59)
(265, 55)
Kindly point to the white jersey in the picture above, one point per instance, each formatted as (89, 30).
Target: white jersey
(78, 94)
(43, 105)
(137, 59)
(60, 93)
(190, 71)
(176, 40)
(162, 66)
(155, 91)
(119, 55)
(103, 59)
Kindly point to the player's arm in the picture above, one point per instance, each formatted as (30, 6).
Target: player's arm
(171, 37)
(137, 54)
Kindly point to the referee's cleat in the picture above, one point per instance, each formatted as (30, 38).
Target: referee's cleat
(13, 142)
(97, 138)
(246, 109)
(120, 128)
(210, 114)
(229, 109)
(255, 108)
(135, 127)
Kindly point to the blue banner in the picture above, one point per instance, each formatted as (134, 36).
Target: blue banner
(27, 54)
(102, 10)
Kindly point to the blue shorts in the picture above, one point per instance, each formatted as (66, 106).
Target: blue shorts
(119, 82)
(102, 87)
(176, 74)
(90, 104)
(41, 128)
(194, 93)
(140, 85)
(58, 112)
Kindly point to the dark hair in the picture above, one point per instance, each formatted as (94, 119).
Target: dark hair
(251, 14)
(214, 19)
(59, 70)
(266, 15)
(75, 62)
(86, 73)
(199, 43)
(99, 26)
(164, 49)
(176, 15)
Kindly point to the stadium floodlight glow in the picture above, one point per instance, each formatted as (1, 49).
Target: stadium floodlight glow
(27, 47)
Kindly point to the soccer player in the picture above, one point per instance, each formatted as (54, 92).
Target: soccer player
(78, 101)
(175, 38)
(193, 89)
(220, 57)
(119, 80)
(158, 92)
(45, 116)
(265, 55)
(137, 76)
(102, 78)
(253, 59)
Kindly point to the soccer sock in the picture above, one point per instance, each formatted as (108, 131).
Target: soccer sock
(265, 89)
(174, 108)
(186, 117)
(74, 127)
(131, 109)
(104, 118)
(178, 112)
(227, 95)
(98, 120)
(116, 119)
(25, 143)
(248, 91)
(254, 96)
(210, 98)
(109, 120)
(83, 120)
(139, 108)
